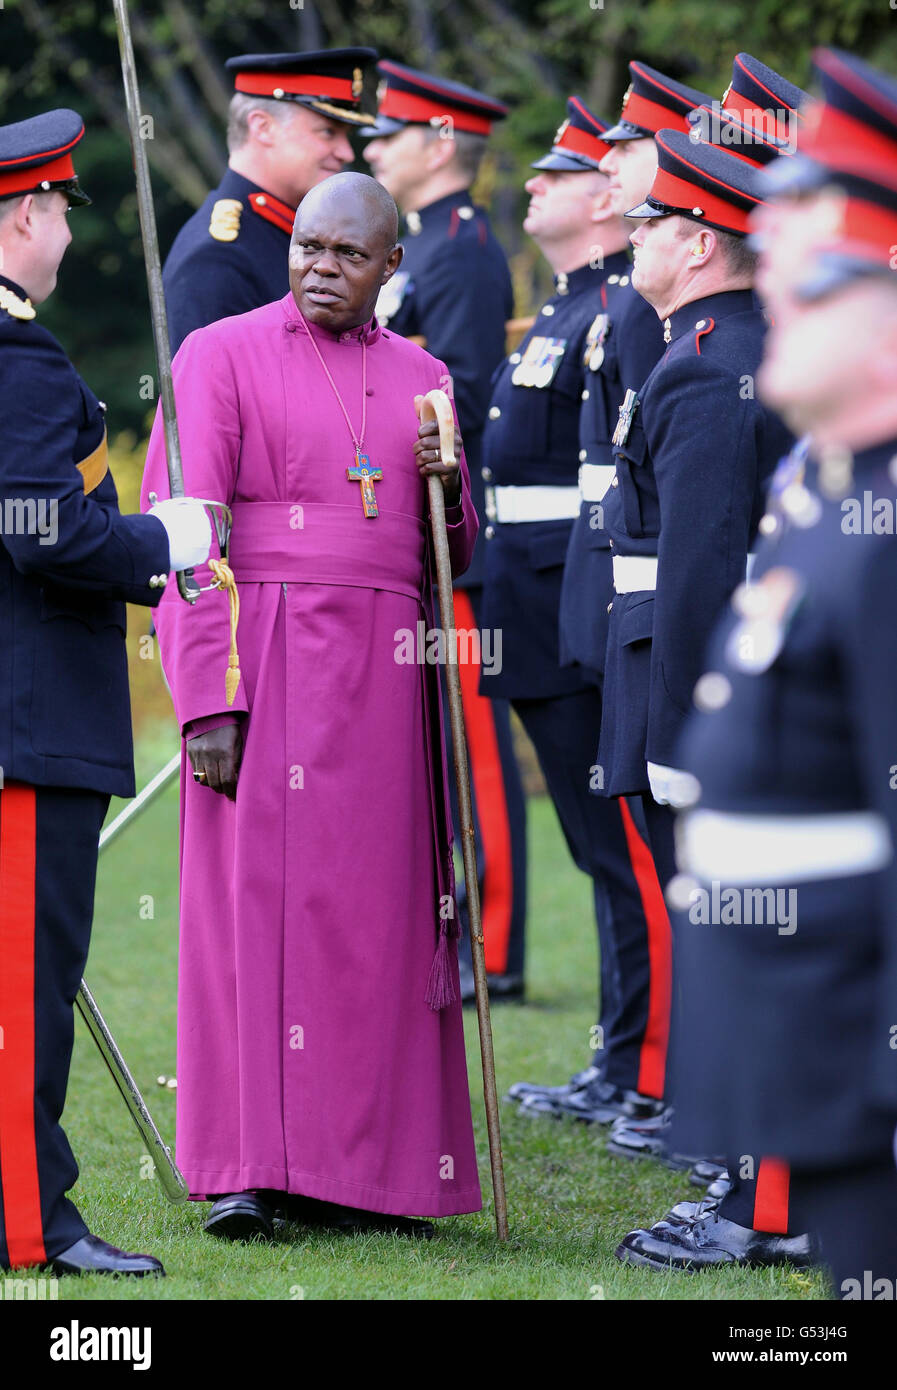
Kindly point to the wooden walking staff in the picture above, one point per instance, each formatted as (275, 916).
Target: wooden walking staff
(437, 406)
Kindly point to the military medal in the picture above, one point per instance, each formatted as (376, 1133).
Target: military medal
(766, 610)
(539, 364)
(362, 471)
(627, 415)
(593, 356)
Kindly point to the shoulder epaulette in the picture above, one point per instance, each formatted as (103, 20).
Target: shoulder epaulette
(224, 223)
(14, 306)
(273, 210)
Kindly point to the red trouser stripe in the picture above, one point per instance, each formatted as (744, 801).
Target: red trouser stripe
(18, 1145)
(653, 1052)
(771, 1197)
(492, 811)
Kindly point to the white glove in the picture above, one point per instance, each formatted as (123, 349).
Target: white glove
(189, 531)
(670, 786)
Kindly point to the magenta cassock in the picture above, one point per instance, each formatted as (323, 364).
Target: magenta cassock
(309, 1059)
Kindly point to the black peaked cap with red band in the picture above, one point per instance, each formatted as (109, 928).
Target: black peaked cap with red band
(850, 135)
(849, 155)
(749, 142)
(36, 156)
(578, 146)
(701, 182)
(756, 90)
(408, 97)
(329, 81)
(758, 117)
(654, 102)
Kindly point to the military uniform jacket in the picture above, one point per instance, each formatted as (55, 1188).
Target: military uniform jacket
(229, 257)
(454, 289)
(692, 468)
(68, 563)
(805, 724)
(532, 438)
(623, 346)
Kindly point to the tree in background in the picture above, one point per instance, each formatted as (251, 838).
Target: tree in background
(529, 53)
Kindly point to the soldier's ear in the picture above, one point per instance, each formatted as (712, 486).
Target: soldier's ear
(602, 204)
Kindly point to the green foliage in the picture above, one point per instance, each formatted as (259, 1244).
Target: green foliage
(530, 53)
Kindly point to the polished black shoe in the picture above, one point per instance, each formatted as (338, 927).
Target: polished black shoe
(519, 1090)
(602, 1103)
(309, 1211)
(241, 1216)
(708, 1241)
(503, 989)
(707, 1172)
(649, 1137)
(90, 1255)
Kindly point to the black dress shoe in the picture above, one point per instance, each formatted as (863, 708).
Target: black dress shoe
(309, 1211)
(709, 1241)
(648, 1137)
(90, 1255)
(707, 1172)
(520, 1089)
(603, 1103)
(241, 1216)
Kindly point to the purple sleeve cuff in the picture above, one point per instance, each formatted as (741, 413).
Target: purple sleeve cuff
(194, 727)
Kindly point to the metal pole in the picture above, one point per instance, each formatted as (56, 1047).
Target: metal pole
(170, 1176)
(143, 799)
(187, 585)
(436, 405)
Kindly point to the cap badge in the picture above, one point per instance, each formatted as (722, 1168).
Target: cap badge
(357, 82)
(626, 95)
(560, 132)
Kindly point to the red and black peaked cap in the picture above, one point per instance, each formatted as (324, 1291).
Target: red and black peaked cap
(702, 182)
(36, 156)
(329, 81)
(848, 152)
(408, 97)
(757, 90)
(577, 146)
(654, 102)
(758, 117)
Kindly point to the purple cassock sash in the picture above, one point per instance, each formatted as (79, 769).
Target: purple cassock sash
(321, 543)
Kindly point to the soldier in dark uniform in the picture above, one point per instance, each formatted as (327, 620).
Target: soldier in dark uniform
(286, 132)
(622, 345)
(531, 449)
(68, 563)
(453, 291)
(694, 453)
(794, 753)
(756, 120)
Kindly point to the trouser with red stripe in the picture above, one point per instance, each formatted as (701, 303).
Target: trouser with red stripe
(48, 858)
(759, 1197)
(632, 923)
(499, 812)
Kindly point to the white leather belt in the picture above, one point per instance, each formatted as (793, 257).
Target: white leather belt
(536, 503)
(769, 850)
(635, 573)
(632, 573)
(595, 479)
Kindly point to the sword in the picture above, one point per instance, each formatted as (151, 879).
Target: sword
(437, 406)
(188, 588)
(170, 1177)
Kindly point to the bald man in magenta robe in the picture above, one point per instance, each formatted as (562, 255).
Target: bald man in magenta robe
(321, 1062)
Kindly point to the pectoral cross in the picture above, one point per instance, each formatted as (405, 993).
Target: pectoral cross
(366, 475)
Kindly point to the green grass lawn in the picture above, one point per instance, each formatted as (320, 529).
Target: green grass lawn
(569, 1202)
